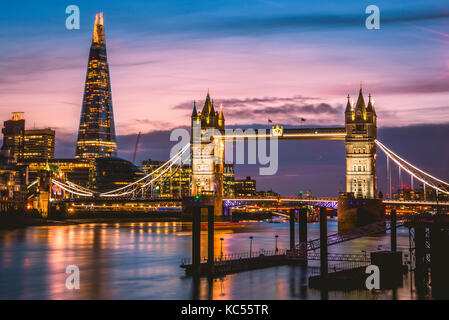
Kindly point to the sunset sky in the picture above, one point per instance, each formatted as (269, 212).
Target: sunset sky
(266, 59)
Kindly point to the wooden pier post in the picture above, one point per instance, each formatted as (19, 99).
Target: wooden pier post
(196, 239)
(393, 234)
(292, 229)
(210, 237)
(303, 231)
(323, 246)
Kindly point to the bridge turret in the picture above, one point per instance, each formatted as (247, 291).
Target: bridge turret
(208, 152)
(361, 131)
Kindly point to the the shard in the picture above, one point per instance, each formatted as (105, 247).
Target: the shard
(96, 135)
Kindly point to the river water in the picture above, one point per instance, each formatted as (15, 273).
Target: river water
(141, 261)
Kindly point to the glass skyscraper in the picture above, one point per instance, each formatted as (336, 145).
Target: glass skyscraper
(96, 135)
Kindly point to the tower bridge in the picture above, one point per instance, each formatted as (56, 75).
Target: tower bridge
(206, 152)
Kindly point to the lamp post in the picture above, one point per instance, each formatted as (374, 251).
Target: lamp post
(276, 244)
(250, 245)
(221, 248)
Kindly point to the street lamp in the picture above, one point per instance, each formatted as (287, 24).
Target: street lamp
(221, 248)
(250, 245)
(276, 244)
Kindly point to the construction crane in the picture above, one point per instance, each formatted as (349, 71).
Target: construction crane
(135, 148)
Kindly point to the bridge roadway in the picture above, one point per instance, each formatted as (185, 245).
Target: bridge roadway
(332, 200)
(291, 134)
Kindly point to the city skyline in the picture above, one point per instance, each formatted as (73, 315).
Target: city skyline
(152, 98)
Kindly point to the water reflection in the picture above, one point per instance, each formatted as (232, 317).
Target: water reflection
(141, 261)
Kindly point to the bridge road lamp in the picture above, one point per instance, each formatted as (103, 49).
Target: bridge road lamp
(250, 246)
(221, 248)
(276, 244)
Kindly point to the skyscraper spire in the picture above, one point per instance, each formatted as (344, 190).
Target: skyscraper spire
(96, 135)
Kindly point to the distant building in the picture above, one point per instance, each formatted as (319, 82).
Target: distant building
(96, 135)
(111, 173)
(269, 193)
(245, 187)
(13, 183)
(228, 179)
(13, 134)
(38, 144)
(178, 182)
(77, 171)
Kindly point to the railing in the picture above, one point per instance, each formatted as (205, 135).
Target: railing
(336, 238)
(348, 257)
(238, 256)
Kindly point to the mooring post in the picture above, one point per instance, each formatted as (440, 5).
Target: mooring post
(292, 229)
(393, 230)
(323, 245)
(210, 237)
(196, 239)
(303, 231)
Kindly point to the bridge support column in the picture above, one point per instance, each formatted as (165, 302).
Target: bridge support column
(393, 230)
(439, 262)
(196, 239)
(323, 247)
(292, 229)
(210, 238)
(303, 232)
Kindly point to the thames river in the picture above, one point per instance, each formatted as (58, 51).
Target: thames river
(141, 261)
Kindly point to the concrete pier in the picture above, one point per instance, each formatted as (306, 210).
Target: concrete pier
(357, 212)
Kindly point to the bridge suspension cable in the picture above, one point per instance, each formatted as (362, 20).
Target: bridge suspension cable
(147, 180)
(427, 179)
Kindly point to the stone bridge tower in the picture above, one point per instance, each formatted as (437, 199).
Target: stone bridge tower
(208, 152)
(361, 205)
(361, 131)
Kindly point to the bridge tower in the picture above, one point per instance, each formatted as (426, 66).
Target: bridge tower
(208, 152)
(361, 131)
(360, 205)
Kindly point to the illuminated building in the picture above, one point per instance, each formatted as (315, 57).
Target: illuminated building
(245, 187)
(361, 131)
(228, 179)
(13, 134)
(75, 170)
(177, 183)
(111, 173)
(13, 182)
(36, 144)
(96, 135)
(39, 144)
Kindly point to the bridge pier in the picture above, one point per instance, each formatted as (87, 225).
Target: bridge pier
(196, 235)
(357, 212)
